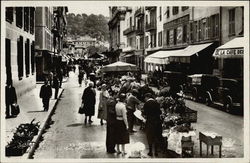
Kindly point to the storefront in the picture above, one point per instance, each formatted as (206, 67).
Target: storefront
(229, 59)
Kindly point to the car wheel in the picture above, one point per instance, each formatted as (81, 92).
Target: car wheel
(208, 101)
(228, 107)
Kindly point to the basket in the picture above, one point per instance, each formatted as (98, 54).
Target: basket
(189, 115)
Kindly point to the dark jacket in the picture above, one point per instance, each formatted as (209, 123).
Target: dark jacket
(111, 114)
(88, 98)
(46, 92)
(55, 82)
(10, 95)
(153, 122)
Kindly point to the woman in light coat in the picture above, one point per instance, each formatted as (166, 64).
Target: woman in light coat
(102, 109)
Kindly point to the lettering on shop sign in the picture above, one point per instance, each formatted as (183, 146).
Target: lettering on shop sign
(239, 51)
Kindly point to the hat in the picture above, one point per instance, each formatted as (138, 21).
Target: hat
(91, 83)
(149, 95)
(122, 96)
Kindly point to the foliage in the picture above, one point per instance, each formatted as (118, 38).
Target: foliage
(22, 138)
(96, 26)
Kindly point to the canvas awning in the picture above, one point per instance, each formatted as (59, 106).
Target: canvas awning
(160, 57)
(185, 54)
(120, 66)
(231, 49)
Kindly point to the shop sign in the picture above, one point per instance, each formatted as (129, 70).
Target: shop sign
(231, 52)
(179, 35)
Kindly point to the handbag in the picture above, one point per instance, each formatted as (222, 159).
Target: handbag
(81, 109)
(15, 110)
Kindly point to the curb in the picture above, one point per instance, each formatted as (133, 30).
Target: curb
(38, 137)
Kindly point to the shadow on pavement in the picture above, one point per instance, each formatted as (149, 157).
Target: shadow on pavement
(75, 125)
(35, 111)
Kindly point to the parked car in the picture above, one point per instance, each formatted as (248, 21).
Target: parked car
(228, 94)
(175, 81)
(198, 85)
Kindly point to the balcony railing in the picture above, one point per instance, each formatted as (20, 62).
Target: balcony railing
(129, 30)
(150, 26)
(139, 12)
(150, 8)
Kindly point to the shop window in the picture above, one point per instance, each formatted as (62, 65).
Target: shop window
(19, 17)
(184, 8)
(33, 57)
(32, 20)
(9, 14)
(175, 10)
(27, 57)
(232, 22)
(175, 36)
(184, 37)
(20, 57)
(160, 38)
(26, 18)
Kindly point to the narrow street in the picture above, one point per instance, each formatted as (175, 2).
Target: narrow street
(68, 137)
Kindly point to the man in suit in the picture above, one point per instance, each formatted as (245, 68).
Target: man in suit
(45, 94)
(10, 98)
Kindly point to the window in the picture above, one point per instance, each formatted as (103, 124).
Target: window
(32, 20)
(191, 32)
(215, 26)
(232, 22)
(160, 16)
(8, 59)
(33, 57)
(27, 57)
(167, 12)
(167, 37)
(20, 57)
(146, 42)
(9, 14)
(184, 37)
(26, 18)
(130, 22)
(160, 38)
(19, 17)
(153, 40)
(175, 10)
(184, 8)
(146, 19)
(175, 36)
(142, 42)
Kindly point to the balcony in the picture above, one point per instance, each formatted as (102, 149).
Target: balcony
(151, 26)
(150, 8)
(129, 30)
(139, 12)
(139, 31)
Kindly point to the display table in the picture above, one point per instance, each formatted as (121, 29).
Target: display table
(210, 139)
(175, 139)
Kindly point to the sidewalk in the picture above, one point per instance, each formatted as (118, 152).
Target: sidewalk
(31, 107)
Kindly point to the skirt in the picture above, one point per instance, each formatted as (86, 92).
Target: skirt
(121, 133)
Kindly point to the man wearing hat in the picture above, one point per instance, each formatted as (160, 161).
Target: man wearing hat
(132, 103)
(153, 123)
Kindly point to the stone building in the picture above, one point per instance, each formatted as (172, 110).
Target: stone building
(19, 48)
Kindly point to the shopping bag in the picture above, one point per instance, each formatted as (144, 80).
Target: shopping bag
(81, 109)
(15, 110)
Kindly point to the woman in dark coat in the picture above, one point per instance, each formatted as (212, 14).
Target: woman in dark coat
(88, 99)
(10, 98)
(111, 120)
(153, 122)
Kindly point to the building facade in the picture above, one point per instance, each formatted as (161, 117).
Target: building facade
(19, 48)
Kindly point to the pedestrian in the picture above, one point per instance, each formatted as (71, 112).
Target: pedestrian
(10, 98)
(132, 103)
(60, 77)
(153, 123)
(89, 100)
(80, 77)
(102, 109)
(50, 78)
(56, 85)
(111, 121)
(121, 126)
(45, 94)
(92, 78)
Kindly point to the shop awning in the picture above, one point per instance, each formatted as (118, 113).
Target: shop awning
(231, 49)
(160, 57)
(185, 54)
